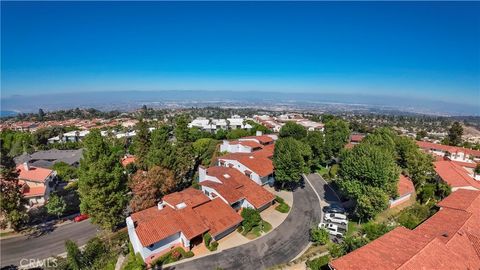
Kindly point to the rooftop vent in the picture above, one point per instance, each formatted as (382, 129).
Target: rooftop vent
(226, 176)
(445, 234)
(251, 157)
(181, 205)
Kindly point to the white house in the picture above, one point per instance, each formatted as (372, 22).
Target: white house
(179, 220)
(257, 166)
(37, 183)
(212, 125)
(234, 188)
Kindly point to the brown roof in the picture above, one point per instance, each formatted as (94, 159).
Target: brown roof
(462, 199)
(263, 139)
(356, 137)
(405, 185)
(29, 192)
(236, 185)
(454, 174)
(218, 216)
(251, 144)
(127, 160)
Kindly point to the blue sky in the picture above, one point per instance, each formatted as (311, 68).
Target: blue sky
(417, 49)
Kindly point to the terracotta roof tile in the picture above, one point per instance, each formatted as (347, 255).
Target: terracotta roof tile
(190, 196)
(34, 174)
(263, 139)
(451, 149)
(454, 174)
(461, 199)
(259, 164)
(405, 185)
(218, 216)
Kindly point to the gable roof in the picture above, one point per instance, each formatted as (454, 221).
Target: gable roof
(235, 185)
(450, 239)
(451, 149)
(454, 174)
(218, 216)
(190, 196)
(263, 139)
(258, 163)
(34, 174)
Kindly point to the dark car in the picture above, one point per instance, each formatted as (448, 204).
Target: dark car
(334, 208)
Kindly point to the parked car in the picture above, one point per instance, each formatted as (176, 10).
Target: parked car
(334, 208)
(336, 218)
(333, 229)
(80, 217)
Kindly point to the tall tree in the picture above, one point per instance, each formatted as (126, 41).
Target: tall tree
(102, 183)
(316, 142)
(294, 130)
(161, 150)
(141, 143)
(181, 128)
(41, 114)
(149, 187)
(455, 133)
(204, 150)
(74, 255)
(56, 205)
(288, 161)
(12, 203)
(336, 136)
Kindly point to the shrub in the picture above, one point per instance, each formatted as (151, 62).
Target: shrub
(251, 218)
(318, 263)
(283, 208)
(213, 246)
(319, 235)
(207, 238)
(414, 215)
(174, 255)
(266, 226)
(375, 230)
(279, 199)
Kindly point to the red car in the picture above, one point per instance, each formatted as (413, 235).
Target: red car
(80, 217)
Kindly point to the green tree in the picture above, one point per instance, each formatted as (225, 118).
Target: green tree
(181, 128)
(141, 143)
(56, 205)
(204, 150)
(319, 236)
(373, 201)
(12, 203)
(421, 134)
(237, 133)
(74, 255)
(251, 218)
(316, 142)
(41, 114)
(64, 171)
(102, 183)
(455, 133)
(161, 150)
(288, 161)
(337, 134)
(294, 130)
(477, 169)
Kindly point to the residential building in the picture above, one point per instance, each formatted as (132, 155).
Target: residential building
(47, 158)
(212, 125)
(127, 159)
(405, 189)
(453, 153)
(354, 140)
(37, 183)
(179, 220)
(457, 176)
(248, 144)
(234, 188)
(257, 165)
(448, 240)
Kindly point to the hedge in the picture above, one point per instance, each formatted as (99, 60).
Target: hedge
(174, 255)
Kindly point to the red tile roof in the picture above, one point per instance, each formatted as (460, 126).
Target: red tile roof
(153, 225)
(218, 216)
(356, 138)
(450, 239)
(451, 149)
(251, 144)
(199, 216)
(462, 199)
(34, 174)
(263, 139)
(257, 163)
(454, 174)
(127, 160)
(190, 196)
(235, 185)
(29, 192)
(405, 186)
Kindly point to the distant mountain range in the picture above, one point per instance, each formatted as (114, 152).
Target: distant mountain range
(129, 100)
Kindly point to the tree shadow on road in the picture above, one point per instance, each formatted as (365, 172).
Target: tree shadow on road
(40, 230)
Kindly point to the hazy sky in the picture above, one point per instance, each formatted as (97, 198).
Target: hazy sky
(429, 50)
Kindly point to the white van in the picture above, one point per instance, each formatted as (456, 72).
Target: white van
(336, 218)
(332, 229)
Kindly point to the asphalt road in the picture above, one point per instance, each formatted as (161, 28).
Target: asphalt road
(279, 246)
(43, 245)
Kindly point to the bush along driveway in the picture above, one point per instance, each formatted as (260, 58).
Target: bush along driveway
(280, 245)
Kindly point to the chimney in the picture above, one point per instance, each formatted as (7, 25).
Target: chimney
(202, 173)
(259, 133)
(25, 166)
(160, 205)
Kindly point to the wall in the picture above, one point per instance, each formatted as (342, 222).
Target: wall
(239, 166)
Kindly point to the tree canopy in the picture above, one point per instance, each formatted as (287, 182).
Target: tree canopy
(288, 161)
(337, 134)
(294, 130)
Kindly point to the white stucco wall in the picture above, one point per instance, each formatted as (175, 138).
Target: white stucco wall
(239, 166)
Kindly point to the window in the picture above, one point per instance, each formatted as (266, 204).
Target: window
(207, 193)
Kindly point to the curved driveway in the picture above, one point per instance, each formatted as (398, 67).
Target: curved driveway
(279, 246)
